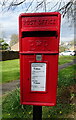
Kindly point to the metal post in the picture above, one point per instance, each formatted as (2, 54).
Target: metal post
(37, 112)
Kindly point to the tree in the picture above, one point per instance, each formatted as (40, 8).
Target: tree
(3, 44)
(65, 7)
(62, 48)
(14, 39)
(1, 41)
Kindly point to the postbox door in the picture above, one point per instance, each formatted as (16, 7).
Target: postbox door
(49, 77)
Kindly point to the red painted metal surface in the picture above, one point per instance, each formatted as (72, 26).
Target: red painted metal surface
(39, 34)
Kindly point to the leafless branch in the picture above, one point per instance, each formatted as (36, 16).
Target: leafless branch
(38, 6)
(29, 5)
(54, 6)
(65, 6)
(67, 9)
(16, 4)
(59, 4)
(43, 4)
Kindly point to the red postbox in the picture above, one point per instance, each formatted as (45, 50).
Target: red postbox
(39, 35)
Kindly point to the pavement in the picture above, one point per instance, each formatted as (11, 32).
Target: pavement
(7, 87)
(66, 64)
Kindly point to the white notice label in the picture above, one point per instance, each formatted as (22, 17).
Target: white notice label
(38, 76)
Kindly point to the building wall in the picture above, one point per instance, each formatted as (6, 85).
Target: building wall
(15, 47)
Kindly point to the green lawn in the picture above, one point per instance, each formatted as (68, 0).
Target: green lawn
(67, 76)
(10, 70)
(66, 81)
(13, 109)
(65, 59)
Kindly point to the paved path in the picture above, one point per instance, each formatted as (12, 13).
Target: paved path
(6, 87)
(67, 64)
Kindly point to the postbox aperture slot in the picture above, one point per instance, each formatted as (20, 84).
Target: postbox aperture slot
(39, 34)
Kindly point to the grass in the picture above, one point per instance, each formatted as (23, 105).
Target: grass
(67, 76)
(13, 109)
(64, 106)
(65, 59)
(10, 70)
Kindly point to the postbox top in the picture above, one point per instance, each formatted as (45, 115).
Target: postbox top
(39, 21)
(39, 14)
